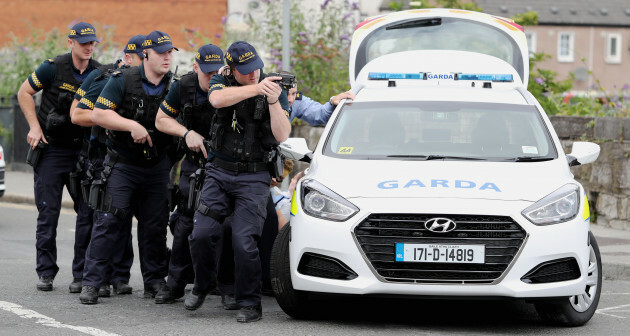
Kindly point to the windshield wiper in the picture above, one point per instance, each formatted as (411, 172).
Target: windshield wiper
(434, 157)
(530, 158)
(417, 23)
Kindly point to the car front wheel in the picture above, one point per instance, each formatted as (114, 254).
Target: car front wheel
(292, 302)
(578, 309)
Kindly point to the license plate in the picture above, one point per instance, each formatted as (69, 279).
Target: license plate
(441, 253)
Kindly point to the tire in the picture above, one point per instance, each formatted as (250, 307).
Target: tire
(577, 310)
(292, 302)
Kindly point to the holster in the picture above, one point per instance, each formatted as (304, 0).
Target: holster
(74, 182)
(86, 184)
(173, 195)
(196, 183)
(33, 156)
(97, 195)
(275, 163)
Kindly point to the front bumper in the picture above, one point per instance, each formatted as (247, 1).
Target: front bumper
(337, 240)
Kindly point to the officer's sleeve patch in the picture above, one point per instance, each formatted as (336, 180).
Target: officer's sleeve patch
(217, 86)
(87, 103)
(116, 73)
(168, 108)
(286, 113)
(106, 102)
(50, 60)
(80, 92)
(298, 96)
(36, 81)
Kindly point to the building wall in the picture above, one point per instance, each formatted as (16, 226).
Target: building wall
(129, 17)
(589, 54)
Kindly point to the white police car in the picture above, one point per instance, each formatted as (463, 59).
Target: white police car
(2, 171)
(443, 178)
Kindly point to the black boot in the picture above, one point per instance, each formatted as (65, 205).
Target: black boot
(122, 287)
(229, 302)
(76, 285)
(151, 290)
(168, 295)
(104, 291)
(45, 283)
(249, 314)
(195, 299)
(89, 295)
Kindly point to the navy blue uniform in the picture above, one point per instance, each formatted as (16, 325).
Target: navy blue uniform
(123, 256)
(238, 188)
(59, 79)
(180, 270)
(137, 183)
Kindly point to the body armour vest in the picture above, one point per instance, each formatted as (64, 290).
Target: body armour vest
(97, 132)
(141, 107)
(54, 111)
(194, 116)
(251, 136)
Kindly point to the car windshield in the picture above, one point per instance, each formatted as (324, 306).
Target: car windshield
(439, 131)
(439, 34)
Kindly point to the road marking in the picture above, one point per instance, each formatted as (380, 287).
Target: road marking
(601, 311)
(48, 321)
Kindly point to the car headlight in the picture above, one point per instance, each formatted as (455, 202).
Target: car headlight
(319, 201)
(559, 206)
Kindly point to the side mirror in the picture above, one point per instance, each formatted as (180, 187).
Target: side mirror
(296, 149)
(583, 153)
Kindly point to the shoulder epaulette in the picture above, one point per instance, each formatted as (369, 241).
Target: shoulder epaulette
(50, 60)
(298, 96)
(116, 73)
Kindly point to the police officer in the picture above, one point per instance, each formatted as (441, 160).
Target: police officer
(250, 120)
(51, 127)
(135, 169)
(187, 102)
(93, 156)
(312, 112)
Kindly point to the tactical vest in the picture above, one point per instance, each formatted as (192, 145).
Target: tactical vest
(251, 138)
(56, 100)
(193, 116)
(97, 132)
(141, 107)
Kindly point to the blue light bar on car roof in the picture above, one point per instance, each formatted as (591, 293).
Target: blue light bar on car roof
(387, 75)
(486, 77)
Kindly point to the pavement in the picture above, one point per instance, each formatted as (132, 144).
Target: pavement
(614, 244)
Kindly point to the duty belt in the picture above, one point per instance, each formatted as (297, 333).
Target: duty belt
(240, 167)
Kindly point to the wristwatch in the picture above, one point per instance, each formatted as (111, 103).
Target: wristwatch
(331, 101)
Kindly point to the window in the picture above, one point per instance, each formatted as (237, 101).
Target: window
(442, 34)
(565, 47)
(531, 42)
(613, 48)
(396, 130)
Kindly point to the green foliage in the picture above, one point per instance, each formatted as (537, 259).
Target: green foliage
(320, 43)
(526, 19)
(21, 56)
(543, 83)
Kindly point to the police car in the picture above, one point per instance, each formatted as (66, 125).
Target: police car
(444, 177)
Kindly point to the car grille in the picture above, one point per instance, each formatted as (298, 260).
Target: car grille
(378, 234)
(1, 175)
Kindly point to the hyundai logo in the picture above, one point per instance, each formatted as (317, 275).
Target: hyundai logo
(440, 225)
